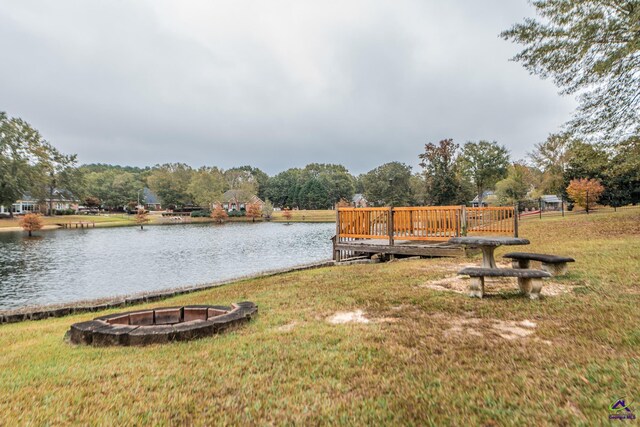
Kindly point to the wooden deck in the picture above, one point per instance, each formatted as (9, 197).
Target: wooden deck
(416, 231)
(345, 250)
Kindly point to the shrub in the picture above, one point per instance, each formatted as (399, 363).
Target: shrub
(237, 213)
(65, 212)
(204, 213)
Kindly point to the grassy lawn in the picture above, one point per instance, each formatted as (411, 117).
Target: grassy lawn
(297, 216)
(427, 356)
(116, 220)
(307, 216)
(100, 220)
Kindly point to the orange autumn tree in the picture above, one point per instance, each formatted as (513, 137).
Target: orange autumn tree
(254, 210)
(343, 203)
(585, 192)
(142, 217)
(31, 222)
(219, 214)
(286, 213)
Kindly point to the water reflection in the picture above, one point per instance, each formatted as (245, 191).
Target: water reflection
(63, 266)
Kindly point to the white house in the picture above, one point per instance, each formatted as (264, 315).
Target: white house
(28, 204)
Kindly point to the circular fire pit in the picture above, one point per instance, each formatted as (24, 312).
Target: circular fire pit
(161, 325)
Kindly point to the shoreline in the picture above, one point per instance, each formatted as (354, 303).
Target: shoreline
(127, 223)
(84, 306)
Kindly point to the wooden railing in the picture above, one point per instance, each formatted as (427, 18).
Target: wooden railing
(490, 220)
(363, 223)
(426, 223)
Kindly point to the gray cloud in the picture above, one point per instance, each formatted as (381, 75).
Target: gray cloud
(274, 84)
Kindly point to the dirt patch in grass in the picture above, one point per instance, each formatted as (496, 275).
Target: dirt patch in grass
(510, 330)
(460, 284)
(348, 317)
(357, 316)
(288, 327)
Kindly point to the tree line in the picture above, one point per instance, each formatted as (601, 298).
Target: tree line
(447, 174)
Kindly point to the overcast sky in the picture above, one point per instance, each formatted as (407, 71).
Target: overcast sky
(274, 84)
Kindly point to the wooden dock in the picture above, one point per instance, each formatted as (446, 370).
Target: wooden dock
(416, 231)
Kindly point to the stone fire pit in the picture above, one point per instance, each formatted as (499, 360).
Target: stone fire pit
(161, 325)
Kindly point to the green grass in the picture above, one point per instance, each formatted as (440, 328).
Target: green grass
(118, 220)
(307, 216)
(412, 368)
(100, 220)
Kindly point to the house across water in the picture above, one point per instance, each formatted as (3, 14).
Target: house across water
(238, 200)
(29, 204)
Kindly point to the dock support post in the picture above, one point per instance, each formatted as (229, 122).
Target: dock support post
(390, 226)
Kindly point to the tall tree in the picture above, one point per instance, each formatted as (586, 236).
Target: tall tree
(590, 47)
(259, 179)
(206, 186)
(617, 167)
(284, 188)
(519, 181)
(443, 180)
(485, 163)
(622, 185)
(336, 181)
(23, 154)
(313, 195)
(551, 157)
(586, 161)
(58, 177)
(241, 179)
(171, 183)
(114, 188)
(389, 184)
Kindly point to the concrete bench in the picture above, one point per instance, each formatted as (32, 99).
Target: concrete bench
(554, 264)
(529, 281)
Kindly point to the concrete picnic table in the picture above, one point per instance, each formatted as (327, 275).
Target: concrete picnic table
(488, 245)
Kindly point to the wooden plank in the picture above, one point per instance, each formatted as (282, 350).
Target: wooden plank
(444, 251)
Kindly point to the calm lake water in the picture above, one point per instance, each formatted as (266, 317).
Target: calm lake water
(70, 265)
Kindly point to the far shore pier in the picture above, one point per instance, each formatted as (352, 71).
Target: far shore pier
(78, 224)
